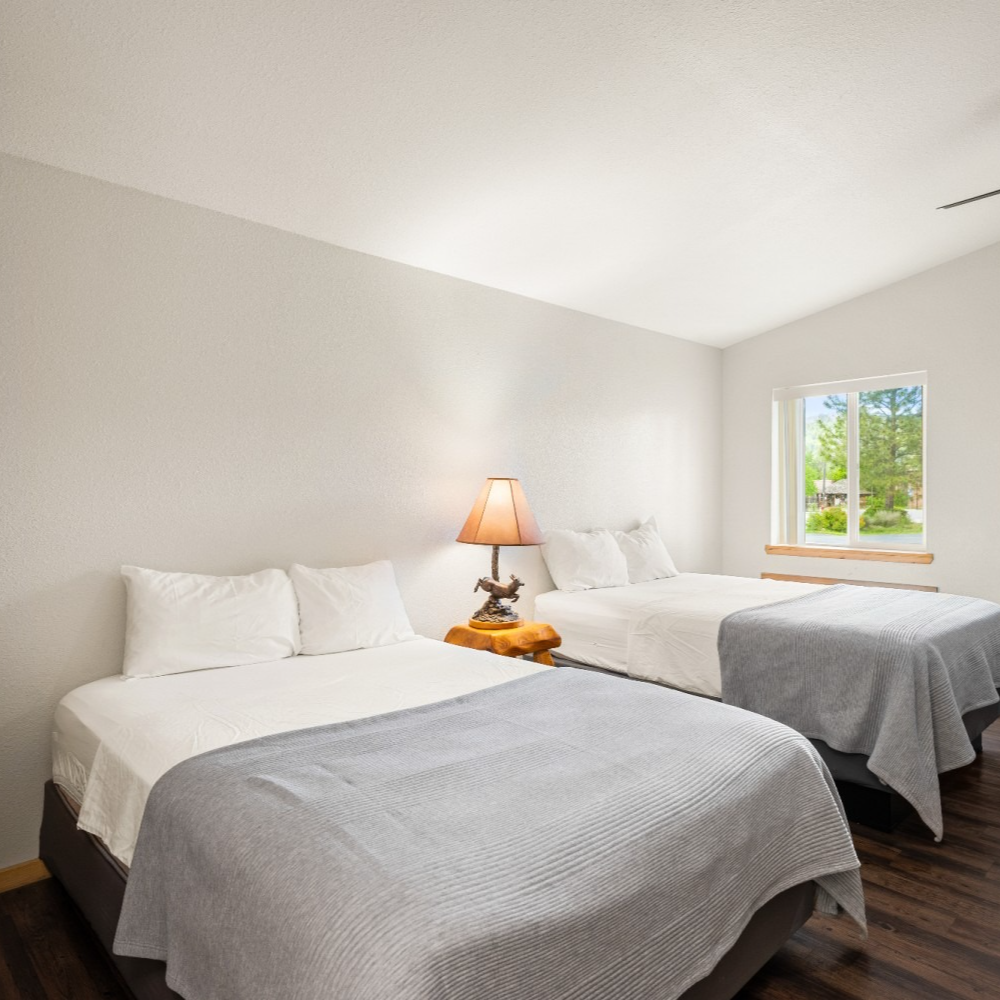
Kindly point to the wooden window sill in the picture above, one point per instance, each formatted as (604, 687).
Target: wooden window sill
(836, 552)
(829, 580)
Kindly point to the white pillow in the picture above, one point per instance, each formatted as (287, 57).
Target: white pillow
(582, 560)
(183, 621)
(645, 553)
(350, 608)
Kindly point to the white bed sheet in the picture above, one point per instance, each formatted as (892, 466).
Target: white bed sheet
(593, 624)
(665, 630)
(113, 738)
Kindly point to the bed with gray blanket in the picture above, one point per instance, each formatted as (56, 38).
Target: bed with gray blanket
(894, 686)
(885, 673)
(549, 837)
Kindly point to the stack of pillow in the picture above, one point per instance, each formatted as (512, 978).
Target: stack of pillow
(178, 622)
(585, 560)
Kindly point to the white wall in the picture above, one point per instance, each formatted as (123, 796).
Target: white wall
(184, 390)
(947, 321)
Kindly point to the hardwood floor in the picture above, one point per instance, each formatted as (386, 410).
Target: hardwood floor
(933, 909)
(46, 951)
(933, 919)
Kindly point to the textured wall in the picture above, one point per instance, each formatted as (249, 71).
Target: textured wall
(184, 390)
(947, 321)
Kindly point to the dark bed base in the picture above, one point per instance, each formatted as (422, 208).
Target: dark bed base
(95, 882)
(866, 800)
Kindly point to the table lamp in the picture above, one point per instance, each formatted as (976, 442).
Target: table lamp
(500, 516)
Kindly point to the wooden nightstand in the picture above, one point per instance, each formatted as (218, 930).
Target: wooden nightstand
(531, 637)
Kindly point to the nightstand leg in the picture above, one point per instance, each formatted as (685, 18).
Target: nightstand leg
(545, 658)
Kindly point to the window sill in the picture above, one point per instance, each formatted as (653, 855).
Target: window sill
(836, 552)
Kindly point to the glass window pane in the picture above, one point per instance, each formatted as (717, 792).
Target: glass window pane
(825, 462)
(891, 466)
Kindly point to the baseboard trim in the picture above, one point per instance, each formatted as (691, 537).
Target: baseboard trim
(22, 874)
(827, 580)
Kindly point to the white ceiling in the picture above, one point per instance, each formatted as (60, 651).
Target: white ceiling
(704, 168)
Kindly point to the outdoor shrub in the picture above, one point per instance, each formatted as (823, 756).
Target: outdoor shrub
(833, 519)
(886, 518)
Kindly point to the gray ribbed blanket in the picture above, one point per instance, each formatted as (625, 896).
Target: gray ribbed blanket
(888, 673)
(566, 835)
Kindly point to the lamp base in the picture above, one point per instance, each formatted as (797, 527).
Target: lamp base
(495, 614)
(473, 623)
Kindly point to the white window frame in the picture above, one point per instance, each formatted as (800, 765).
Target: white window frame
(852, 388)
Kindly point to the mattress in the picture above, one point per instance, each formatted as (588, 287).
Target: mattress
(593, 624)
(665, 630)
(113, 738)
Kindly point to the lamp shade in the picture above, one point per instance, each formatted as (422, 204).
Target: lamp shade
(501, 516)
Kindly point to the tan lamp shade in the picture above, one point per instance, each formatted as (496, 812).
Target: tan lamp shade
(501, 516)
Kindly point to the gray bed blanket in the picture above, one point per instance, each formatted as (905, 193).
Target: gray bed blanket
(566, 835)
(887, 673)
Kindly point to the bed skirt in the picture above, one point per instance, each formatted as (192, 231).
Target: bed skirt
(95, 881)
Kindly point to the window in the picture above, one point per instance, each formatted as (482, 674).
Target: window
(848, 465)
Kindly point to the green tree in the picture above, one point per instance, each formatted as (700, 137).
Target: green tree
(891, 429)
(825, 449)
(833, 438)
(813, 471)
(891, 435)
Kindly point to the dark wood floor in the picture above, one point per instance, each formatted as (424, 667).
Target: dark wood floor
(46, 951)
(933, 917)
(933, 909)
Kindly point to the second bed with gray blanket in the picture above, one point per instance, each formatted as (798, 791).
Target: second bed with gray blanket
(548, 838)
(886, 673)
